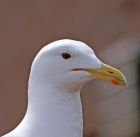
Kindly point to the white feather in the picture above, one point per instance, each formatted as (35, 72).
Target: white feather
(54, 104)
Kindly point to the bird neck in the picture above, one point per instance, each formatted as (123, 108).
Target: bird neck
(54, 112)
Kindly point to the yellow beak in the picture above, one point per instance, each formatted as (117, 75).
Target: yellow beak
(107, 73)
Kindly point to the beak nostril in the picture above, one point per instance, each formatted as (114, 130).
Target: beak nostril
(110, 72)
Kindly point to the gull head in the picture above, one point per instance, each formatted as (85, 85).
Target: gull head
(71, 64)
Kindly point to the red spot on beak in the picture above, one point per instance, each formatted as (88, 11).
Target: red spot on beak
(115, 82)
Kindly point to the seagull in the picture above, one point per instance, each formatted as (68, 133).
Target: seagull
(57, 75)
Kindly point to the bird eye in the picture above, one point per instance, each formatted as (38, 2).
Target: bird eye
(66, 55)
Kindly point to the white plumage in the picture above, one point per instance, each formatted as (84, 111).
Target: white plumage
(58, 72)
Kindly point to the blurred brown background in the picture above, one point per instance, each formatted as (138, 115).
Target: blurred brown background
(110, 27)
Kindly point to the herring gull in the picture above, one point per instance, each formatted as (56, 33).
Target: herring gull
(57, 75)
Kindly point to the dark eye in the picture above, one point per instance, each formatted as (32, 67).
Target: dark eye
(66, 55)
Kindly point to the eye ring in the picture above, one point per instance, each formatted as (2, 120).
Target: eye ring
(66, 55)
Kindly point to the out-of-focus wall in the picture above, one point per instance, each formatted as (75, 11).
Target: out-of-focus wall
(116, 109)
(26, 26)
